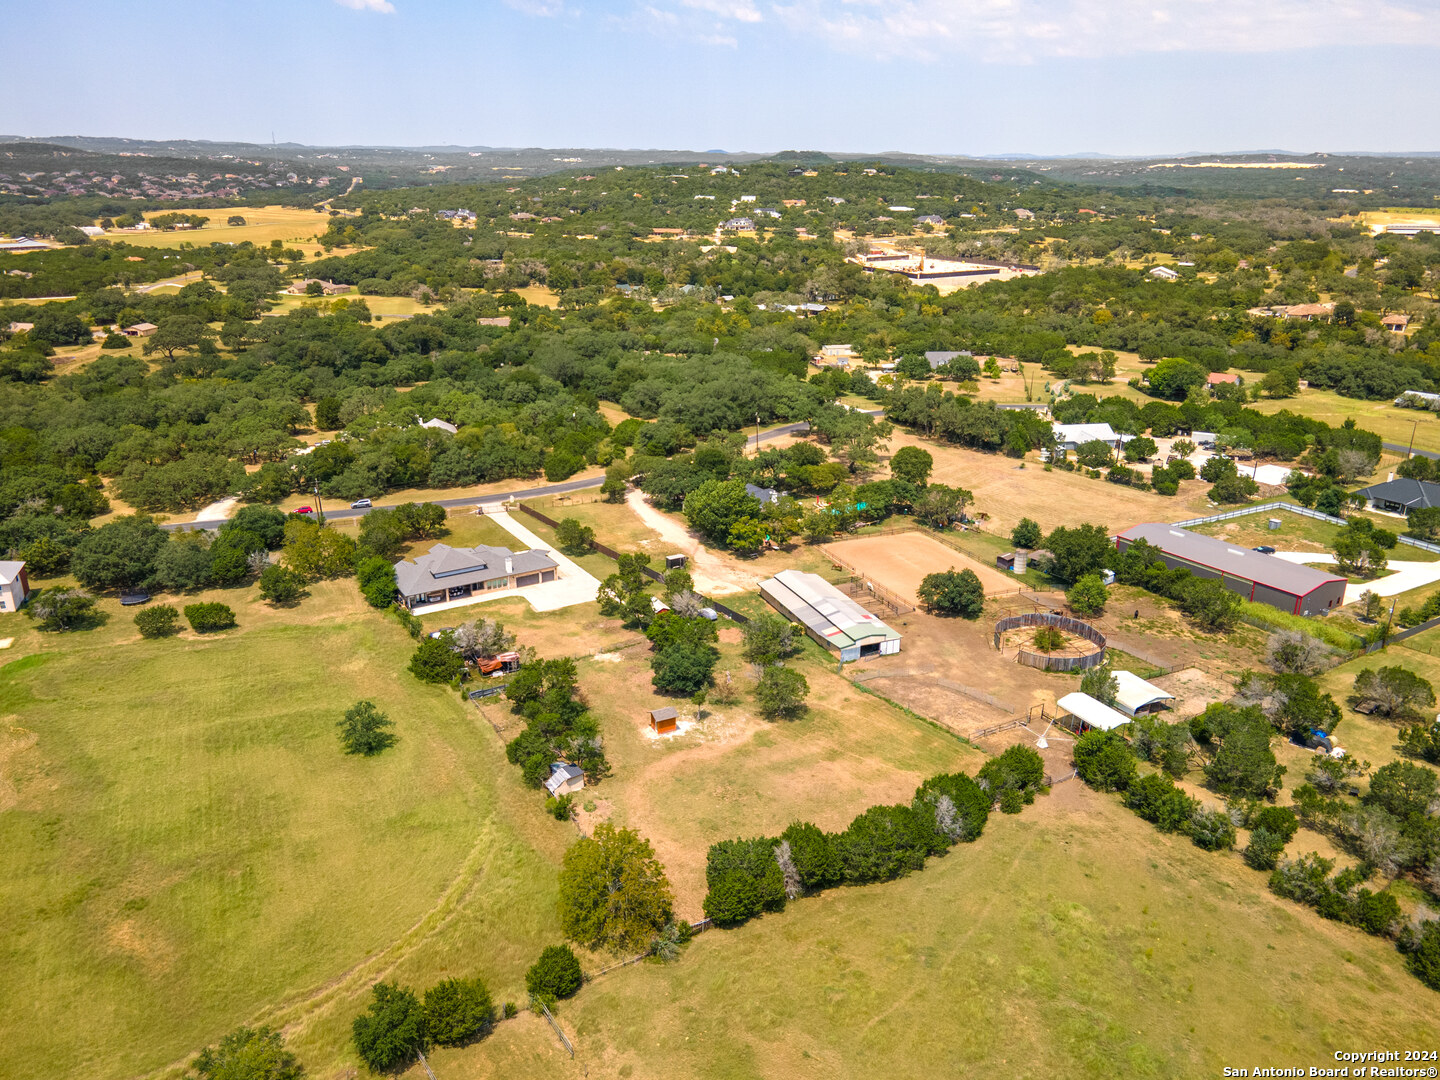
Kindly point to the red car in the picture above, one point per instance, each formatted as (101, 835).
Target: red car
(305, 510)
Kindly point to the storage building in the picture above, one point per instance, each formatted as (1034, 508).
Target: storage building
(14, 585)
(664, 721)
(829, 616)
(1136, 697)
(1087, 714)
(1292, 587)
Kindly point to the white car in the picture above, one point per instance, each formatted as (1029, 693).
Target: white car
(361, 504)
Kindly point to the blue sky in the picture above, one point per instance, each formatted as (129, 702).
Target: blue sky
(933, 76)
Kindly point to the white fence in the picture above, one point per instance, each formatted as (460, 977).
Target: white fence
(1291, 508)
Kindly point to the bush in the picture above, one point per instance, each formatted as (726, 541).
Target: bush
(365, 730)
(1277, 820)
(1104, 761)
(58, 610)
(376, 577)
(815, 856)
(1020, 770)
(561, 808)
(157, 622)
(1212, 830)
(281, 586)
(393, 1031)
(1157, 800)
(457, 1010)
(555, 975)
(1048, 639)
(755, 861)
(1421, 947)
(209, 618)
(733, 897)
(436, 661)
(884, 842)
(574, 538)
(959, 804)
(1264, 849)
(1088, 595)
(1265, 615)
(249, 1054)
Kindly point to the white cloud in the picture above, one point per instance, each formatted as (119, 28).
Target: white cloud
(741, 11)
(384, 7)
(545, 9)
(1026, 30)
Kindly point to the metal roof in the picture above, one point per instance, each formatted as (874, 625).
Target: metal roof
(825, 610)
(1095, 713)
(1411, 494)
(10, 570)
(1134, 693)
(1293, 578)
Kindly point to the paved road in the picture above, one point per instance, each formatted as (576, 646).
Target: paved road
(491, 497)
(1396, 448)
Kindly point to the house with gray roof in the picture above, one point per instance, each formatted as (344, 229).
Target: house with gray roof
(446, 573)
(1401, 495)
(938, 357)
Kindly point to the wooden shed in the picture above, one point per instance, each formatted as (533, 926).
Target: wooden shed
(664, 721)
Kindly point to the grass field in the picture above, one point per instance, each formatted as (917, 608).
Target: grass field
(186, 847)
(1392, 424)
(292, 226)
(1071, 941)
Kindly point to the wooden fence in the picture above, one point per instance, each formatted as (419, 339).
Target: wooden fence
(1044, 661)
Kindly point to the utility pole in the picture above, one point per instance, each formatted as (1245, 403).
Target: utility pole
(1410, 452)
(757, 434)
(319, 507)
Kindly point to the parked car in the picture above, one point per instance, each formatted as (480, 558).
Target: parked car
(305, 510)
(1265, 549)
(361, 504)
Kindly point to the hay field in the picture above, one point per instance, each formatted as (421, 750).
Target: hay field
(900, 562)
(187, 848)
(292, 226)
(1071, 941)
(1392, 424)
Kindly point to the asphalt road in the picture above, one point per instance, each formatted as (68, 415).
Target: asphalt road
(1396, 448)
(341, 512)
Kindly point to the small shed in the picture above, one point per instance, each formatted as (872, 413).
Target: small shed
(664, 721)
(1136, 697)
(1087, 714)
(564, 779)
(674, 562)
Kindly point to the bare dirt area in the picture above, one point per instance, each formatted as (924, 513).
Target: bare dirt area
(1008, 489)
(900, 562)
(1194, 689)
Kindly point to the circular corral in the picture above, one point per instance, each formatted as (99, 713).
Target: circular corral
(1084, 646)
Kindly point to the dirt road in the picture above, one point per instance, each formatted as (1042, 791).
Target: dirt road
(714, 574)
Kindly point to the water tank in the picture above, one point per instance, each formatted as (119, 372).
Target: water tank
(1274, 524)
(1021, 560)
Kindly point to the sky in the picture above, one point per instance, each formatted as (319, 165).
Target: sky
(973, 77)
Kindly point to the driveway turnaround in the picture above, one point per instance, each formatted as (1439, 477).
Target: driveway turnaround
(572, 585)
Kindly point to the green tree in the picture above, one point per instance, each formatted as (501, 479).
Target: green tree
(781, 693)
(939, 505)
(715, 506)
(183, 564)
(1264, 849)
(436, 661)
(623, 594)
(376, 577)
(382, 534)
(913, 465)
(1088, 595)
(392, 1032)
(1077, 551)
(365, 730)
(178, 333)
(1403, 789)
(58, 610)
(768, 639)
(120, 554)
(555, 975)
(574, 538)
(1026, 535)
(248, 1054)
(885, 842)
(684, 667)
(1234, 488)
(458, 1010)
(1100, 683)
(613, 891)
(159, 621)
(1244, 765)
(1104, 761)
(961, 806)
(1213, 607)
(1396, 692)
(814, 853)
(1174, 378)
(747, 536)
(317, 551)
(1140, 448)
(1095, 454)
(1421, 947)
(266, 522)
(281, 586)
(953, 593)
(209, 618)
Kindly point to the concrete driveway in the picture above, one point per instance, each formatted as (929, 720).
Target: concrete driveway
(1407, 575)
(572, 585)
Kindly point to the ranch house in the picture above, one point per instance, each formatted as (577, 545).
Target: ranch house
(14, 585)
(448, 573)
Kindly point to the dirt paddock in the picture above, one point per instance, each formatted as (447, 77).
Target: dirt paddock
(900, 562)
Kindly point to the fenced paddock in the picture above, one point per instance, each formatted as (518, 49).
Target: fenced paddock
(1046, 661)
(900, 561)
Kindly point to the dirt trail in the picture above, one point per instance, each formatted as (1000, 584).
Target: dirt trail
(714, 574)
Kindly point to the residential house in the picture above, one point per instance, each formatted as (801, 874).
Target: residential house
(14, 585)
(738, 224)
(764, 494)
(439, 425)
(1400, 496)
(1164, 273)
(1074, 436)
(327, 288)
(930, 219)
(939, 358)
(446, 573)
(1025, 215)
(140, 329)
(1396, 324)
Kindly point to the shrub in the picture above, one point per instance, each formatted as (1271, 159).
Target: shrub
(393, 1031)
(209, 618)
(555, 975)
(376, 578)
(755, 861)
(1264, 849)
(574, 538)
(365, 730)
(1212, 830)
(1018, 769)
(1265, 615)
(159, 621)
(249, 1054)
(561, 808)
(281, 586)
(59, 610)
(436, 661)
(733, 897)
(1104, 761)
(1157, 800)
(959, 804)
(1421, 946)
(1277, 820)
(815, 856)
(457, 1010)
(1048, 639)
(884, 842)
